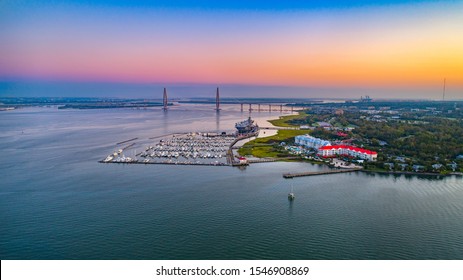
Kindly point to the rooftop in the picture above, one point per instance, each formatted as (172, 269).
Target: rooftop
(352, 148)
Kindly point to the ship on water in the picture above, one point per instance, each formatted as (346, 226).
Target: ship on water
(247, 127)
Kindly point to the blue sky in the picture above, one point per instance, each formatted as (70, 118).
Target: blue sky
(221, 5)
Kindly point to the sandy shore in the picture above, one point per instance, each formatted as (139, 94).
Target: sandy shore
(264, 122)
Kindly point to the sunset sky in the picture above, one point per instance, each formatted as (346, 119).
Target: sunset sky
(340, 48)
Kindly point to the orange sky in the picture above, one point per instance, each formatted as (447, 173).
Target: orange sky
(392, 46)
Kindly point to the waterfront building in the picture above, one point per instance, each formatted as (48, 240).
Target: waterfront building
(403, 166)
(436, 166)
(389, 165)
(418, 168)
(344, 150)
(325, 125)
(243, 160)
(401, 159)
(452, 166)
(310, 141)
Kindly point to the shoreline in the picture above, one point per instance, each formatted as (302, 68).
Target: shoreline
(458, 174)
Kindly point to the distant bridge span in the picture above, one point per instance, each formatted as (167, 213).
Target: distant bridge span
(268, 107)
(253, 106)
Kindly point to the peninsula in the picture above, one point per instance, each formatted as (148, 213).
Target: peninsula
(404, 137)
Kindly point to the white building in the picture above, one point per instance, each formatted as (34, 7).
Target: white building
(310, 141)
(331, 151)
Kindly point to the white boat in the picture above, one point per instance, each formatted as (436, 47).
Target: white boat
(291, 195)
(108, 158)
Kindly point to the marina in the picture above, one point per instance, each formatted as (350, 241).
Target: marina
(192, 148)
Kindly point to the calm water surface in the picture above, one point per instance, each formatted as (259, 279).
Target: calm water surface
(57, 202)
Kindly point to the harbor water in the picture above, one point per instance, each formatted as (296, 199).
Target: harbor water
(58, 202)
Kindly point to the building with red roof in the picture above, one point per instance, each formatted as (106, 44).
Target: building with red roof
(341, 134)
(344, 150)
(243, 160)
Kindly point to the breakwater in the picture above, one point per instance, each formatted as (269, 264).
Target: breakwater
(126, 141)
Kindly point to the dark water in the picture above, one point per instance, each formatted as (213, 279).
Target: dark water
(57, 202)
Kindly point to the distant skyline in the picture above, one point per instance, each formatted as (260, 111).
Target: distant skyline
(385, 49)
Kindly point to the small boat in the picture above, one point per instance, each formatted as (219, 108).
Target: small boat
(291, 195)
(108, 158)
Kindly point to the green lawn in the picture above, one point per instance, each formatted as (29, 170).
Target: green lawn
(269, 146)
(260, 151)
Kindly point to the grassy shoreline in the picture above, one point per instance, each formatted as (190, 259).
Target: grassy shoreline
(283, 121)
(270, 146)
(378, 171)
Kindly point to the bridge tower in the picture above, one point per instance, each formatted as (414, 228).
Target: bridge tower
(217, 100)
(164, 100)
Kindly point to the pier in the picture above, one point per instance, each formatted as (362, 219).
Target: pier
(230, 156)
(126, 141)
(128, 146)
(314, 173)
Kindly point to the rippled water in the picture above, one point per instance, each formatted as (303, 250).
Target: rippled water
(57, 202)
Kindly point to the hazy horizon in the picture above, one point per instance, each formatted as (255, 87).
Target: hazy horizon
(155, 91)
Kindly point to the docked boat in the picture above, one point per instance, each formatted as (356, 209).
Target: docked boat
(108, 158)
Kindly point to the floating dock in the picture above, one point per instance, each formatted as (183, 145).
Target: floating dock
(314, 173)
